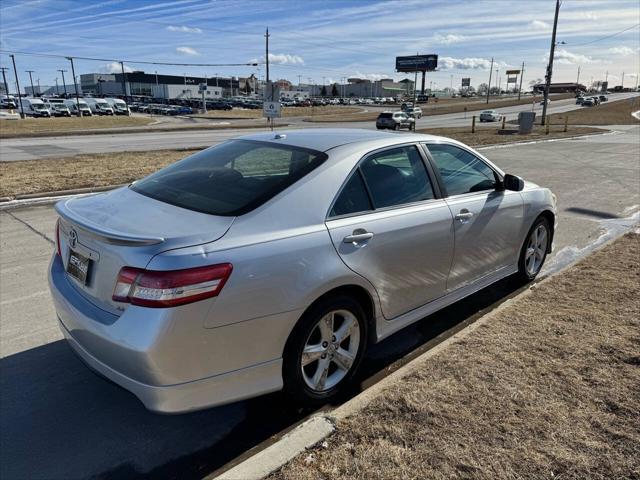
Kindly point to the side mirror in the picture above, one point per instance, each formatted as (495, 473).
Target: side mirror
(513, 182)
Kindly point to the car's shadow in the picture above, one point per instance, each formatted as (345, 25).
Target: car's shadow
(59, 420)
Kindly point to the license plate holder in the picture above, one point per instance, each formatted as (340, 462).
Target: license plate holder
(78, 266)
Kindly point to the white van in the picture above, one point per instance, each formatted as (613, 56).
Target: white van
(34, 107)
(119, 106)
(72, 105)
(99, 106)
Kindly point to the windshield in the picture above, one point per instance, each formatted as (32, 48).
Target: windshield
(232, 178)
(38, 106)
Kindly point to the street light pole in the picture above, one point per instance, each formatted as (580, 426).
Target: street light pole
(64, 84)
(33, 91)
(75, 85)
(550, 66)
(4, 79)
(521, 76)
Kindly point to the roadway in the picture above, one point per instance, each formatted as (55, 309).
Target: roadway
(54, 147)
(59, 420)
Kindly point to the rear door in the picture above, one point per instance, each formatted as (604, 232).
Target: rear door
(487, 219)
(389, 225)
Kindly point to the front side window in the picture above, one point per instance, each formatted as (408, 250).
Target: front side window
(461, 171)
(231, 178)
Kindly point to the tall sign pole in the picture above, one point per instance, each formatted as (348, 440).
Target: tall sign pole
(490, 73)
(75, 85)
(15, 71)
(550, 66)
(268, 94)
(521, 76)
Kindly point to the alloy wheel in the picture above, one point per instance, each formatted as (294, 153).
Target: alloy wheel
(330, 350)
(536, 250)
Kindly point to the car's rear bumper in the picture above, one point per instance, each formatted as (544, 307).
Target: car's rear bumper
(169, 360)
(185, 397)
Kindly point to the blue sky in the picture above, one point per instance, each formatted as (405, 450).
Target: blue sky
(330, 39)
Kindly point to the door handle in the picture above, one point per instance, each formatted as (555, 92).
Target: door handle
(464, 215)
(359, 235)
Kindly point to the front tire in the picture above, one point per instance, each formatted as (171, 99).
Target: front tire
(324, 350)
(534, 250)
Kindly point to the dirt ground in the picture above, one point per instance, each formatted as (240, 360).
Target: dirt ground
(549, 387)
(607, 113)
(38, 125)
(98, 170)
(488, 135)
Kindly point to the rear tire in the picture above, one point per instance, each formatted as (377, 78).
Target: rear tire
(324, 350)
(534, 250)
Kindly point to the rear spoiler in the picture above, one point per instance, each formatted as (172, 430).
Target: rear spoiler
(104, 234)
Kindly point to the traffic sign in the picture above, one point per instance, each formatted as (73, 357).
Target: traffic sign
(271, 110)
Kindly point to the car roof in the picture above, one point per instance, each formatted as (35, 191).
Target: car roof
(323, 139)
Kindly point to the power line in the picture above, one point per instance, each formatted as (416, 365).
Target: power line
(142, 62)
(603, 38)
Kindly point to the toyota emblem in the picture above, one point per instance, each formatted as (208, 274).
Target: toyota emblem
(73, 238)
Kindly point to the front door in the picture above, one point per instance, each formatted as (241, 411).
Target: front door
(487, 220)
(388, 226)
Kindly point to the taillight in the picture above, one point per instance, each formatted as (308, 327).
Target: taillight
(153, 288)
(58, 251)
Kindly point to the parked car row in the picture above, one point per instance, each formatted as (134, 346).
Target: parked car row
(591, 101)
(45, 107)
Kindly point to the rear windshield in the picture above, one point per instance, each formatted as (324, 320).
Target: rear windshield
(231, 178)
(385, 115)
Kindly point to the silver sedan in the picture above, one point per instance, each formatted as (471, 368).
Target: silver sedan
(271, 261)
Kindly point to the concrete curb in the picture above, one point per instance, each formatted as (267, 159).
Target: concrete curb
(31, 202)
(319, 427)
(271, 458)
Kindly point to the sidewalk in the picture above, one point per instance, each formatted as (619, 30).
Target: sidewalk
(547, 387)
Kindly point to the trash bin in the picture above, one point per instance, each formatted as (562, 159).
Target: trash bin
(525, 122)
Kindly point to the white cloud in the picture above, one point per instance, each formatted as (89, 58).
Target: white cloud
(183, 29)
(187, 51)
(622, 51)
(468, 63)
(281, 59)
(448, 39)
(114, 67)
(588, 15)
(568, 58)
(369, 76)
(539, 25)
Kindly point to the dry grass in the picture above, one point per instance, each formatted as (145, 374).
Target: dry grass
(608, 113)
(286, 112)
(39, 125)
(485, 135)
(81, 171)
(548, 388)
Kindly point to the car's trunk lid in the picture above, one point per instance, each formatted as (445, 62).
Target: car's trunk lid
(124, 228)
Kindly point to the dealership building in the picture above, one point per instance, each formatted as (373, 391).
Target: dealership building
(165, 86)
(362, 87)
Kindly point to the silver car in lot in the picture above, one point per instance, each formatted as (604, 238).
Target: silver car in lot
(271, 261)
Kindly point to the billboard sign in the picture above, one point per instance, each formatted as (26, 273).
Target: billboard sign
(513, 72)
(466, 82)
(417, 63)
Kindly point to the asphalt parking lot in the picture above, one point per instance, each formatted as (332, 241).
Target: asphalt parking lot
(62, 421)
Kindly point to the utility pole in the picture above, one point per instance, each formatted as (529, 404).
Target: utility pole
(578, 79)
(75, 85)
(33, 91)
(57, 87)
(15, 71)
(64, 84)
(550, 66)
(4, 79)
(124, 85)
(489, 86)
(521, 76)
(622, 84)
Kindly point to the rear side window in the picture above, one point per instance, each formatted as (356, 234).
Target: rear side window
(231, 178)
(353, 198)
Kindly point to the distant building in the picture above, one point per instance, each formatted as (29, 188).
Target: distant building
(283, 85)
